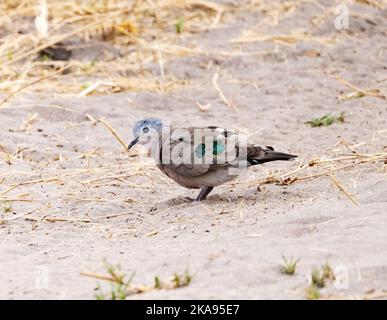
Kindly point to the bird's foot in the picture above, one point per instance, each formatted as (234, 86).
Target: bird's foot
(204, 192)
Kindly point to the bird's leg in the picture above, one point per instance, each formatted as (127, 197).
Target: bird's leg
(204, 192)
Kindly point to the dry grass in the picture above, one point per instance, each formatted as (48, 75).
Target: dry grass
(123, 287)
(341, 161)
(131, 37)
(133, 34)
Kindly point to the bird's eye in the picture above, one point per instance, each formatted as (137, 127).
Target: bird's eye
(145, 130)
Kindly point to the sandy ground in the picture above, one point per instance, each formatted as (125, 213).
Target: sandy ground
(231, 243)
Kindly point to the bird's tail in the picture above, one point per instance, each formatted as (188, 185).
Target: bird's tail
(268, 154)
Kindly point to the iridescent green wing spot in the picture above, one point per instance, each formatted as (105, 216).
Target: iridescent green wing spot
(200, 150)
(217, 147)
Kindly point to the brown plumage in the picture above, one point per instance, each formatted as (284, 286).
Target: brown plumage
(200, 155)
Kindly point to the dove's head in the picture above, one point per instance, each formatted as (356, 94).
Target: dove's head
(146, 130)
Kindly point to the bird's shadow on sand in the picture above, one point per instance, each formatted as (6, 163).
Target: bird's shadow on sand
(231, 198)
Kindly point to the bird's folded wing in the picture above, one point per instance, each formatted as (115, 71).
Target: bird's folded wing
(255, 152)
(195, 151)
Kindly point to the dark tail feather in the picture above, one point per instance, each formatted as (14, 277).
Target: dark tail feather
(271, 155)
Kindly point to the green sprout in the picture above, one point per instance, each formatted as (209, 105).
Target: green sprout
(289, 265)
(179, 25)
(326, 120)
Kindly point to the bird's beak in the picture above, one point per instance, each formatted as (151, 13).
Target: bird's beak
(133, 143)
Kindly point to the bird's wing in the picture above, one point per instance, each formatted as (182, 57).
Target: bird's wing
(256, 152)
(193, 152)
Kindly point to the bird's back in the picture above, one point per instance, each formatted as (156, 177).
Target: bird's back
(197, 157)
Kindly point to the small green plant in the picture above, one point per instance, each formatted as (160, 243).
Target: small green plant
(85, 86)
(182, 280)
(44, 57)
(321, 275)
(317, 278)
(179, 25)
(157, 282)
(312, 293)
(326, 120)
(10, 55)
(6, 206)
(327, 272)
(177, 281)
(120, 288)
(188, 277)
(289, 265)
